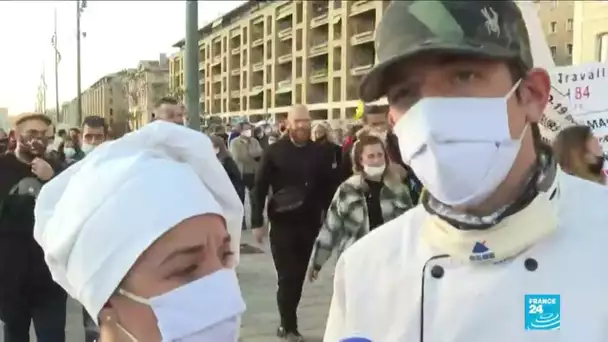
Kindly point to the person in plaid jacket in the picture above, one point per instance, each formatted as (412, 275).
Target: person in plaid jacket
(373, 195)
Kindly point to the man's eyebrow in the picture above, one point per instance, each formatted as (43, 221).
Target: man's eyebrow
(183, 251)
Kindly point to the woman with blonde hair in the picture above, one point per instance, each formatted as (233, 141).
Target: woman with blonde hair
(579, 153)
(372, 196)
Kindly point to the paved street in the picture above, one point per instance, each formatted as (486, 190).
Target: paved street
(258, 283)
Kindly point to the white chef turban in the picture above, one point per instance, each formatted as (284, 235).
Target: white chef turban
(97, 217)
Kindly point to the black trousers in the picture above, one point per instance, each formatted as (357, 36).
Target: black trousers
(291, 246)
(48, 313)
(91, 331)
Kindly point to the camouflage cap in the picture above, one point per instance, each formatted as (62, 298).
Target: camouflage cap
(494, 29)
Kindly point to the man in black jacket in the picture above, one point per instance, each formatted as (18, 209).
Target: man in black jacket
(299, 173)
(376, 123)
(27, 291)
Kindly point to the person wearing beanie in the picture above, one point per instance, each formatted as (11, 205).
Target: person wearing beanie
(150, 253)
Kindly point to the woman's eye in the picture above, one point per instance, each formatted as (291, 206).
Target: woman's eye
(184, 272)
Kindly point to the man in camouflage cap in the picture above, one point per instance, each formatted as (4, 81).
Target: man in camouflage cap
(484, 256)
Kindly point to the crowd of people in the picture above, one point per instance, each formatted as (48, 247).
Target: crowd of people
(444, 204)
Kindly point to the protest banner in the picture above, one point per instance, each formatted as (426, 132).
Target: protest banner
(557, 114)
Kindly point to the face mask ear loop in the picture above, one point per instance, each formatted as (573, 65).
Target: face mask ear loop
(129, 335)
(513, 90)
(133, 297)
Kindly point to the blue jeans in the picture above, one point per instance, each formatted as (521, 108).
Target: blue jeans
(48, 316)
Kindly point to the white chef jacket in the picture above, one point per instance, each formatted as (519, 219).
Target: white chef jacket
(381, 289)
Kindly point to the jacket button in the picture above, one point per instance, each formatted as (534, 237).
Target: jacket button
(531, 264)
(437, 272)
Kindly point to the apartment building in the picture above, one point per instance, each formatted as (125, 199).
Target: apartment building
(263, 57)
(69, 114)
(5, 122)
(590, 31)
(557, 18)
(145, 86)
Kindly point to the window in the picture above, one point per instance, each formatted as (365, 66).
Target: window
(569, 24)
(553, 27)
(569, 49)
(553, 51)
(602, 47)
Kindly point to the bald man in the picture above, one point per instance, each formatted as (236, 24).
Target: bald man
(299, 173)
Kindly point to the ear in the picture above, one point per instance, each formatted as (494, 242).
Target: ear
(534, 93)
(394, 115)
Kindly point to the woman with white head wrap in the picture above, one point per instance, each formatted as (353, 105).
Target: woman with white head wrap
(144, 232)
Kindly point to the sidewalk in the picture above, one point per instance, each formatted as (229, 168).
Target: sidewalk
(258, 283)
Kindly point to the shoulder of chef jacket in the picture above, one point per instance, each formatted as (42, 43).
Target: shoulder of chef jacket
(97, 217)
(396, 285)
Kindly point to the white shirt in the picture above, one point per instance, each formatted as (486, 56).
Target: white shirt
(379, 283)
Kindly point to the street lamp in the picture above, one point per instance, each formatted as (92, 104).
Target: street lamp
(80, 6)
(191, 65)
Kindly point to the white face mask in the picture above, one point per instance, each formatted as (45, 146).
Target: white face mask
(207, 309)
(374, 171)
(69, 152)
(246, 133)
(459, 147)
(216, 150)
(271, 141)
(87, 148)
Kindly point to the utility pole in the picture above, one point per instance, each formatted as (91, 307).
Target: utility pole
(191, 65)
(57, 108)
(80, 6)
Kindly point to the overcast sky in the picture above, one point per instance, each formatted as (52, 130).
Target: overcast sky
(118, 35)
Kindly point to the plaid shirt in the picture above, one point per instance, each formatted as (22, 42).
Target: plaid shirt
(347, 218)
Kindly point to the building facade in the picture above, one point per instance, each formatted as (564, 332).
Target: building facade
(5, 122)
(263, 57)
(590, 31)
(557, 18)
(145, 86)
(106, 98)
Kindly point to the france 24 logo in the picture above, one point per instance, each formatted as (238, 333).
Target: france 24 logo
(542, 311)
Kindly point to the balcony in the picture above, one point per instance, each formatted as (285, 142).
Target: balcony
(319, 76)
(259, 40)
(319, 20)
(236, 50)
(285, 34)
(318, 48)
(217, 96)
(319, 13)
(284, 11)
(235, 33)
(216, 60)
(360, 70)
(258, 66)
(201, 81)
(361, 6)
(362, 38)
(235, 72)
(235, 94)
(257, 90)
(217, 78)
(286, 58)
(284, 86)
(201, 65)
